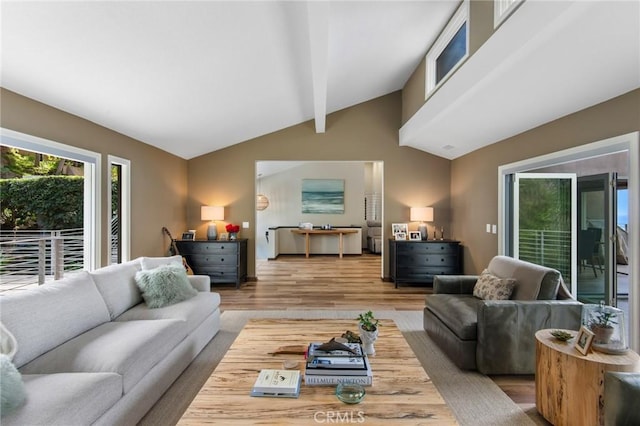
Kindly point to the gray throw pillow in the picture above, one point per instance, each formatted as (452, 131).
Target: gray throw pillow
(12, 392)
(490, 287)
(164, 285)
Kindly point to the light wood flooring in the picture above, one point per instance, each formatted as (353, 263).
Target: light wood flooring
(353, 283)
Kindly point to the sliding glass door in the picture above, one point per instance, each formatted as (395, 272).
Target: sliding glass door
(543, 224)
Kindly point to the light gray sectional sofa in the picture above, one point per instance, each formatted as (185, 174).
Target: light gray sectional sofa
(91, 352)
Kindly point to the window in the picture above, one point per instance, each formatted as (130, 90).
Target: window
(502, 9)
(449, 50)
(91, 205)
(119, 210)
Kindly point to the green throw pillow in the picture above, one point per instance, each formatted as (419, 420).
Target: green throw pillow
(12, 390)
(165, 285)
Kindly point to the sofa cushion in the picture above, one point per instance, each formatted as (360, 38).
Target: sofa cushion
(533, 282)
(118, 287)
(154, 262)
(192, 311)
(164, 285)
(12, 391)
(49, 315)
(458, 312)
(66, 399)
(490, 287)
(128, 348)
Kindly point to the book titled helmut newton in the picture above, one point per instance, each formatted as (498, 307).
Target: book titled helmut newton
(331, 368)
(277, 383)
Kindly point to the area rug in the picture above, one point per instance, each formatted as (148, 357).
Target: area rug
(473, 398)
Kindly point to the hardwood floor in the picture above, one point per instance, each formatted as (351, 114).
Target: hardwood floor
(354, 283)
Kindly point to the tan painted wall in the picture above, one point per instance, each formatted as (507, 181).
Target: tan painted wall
(474, 177)
(159, 179)
(365, 132)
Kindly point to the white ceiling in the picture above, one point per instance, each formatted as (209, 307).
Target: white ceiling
(195, 77)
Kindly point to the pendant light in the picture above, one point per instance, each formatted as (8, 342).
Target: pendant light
(262, 202)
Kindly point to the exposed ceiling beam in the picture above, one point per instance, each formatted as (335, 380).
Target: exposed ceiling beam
(318, 17)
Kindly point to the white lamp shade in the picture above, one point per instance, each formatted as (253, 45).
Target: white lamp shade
(421, 214)
(212, 213)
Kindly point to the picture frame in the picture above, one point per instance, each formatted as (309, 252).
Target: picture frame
(400, 236)
(583, 341)
(189, 235)
(400, 227)
(415, 236)
(223, 236)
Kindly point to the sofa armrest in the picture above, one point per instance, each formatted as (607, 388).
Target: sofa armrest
(506, 331)
(454, 284)
(200, 282)
(621, 396)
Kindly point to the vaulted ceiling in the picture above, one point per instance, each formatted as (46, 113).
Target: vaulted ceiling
(191, 77)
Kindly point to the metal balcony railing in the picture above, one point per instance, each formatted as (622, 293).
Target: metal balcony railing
(32, 257)
(548, 248)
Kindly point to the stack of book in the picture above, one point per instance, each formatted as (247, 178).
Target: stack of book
(330, 368)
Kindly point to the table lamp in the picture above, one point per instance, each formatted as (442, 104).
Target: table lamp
(212, 213)
(422, 215)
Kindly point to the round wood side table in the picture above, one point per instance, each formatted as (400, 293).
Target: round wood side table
(569, 385)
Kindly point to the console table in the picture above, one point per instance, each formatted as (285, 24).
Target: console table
(308, 232)
(419, 261)
(569, 385)
(222, 261)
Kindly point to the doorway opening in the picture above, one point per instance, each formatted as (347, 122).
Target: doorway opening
(595, 165)
(281, 183)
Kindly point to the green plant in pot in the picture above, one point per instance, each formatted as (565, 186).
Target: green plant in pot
(601, 323)
(368, 326)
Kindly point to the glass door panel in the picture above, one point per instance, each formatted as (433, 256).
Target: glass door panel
(544, 231)
(597, 239)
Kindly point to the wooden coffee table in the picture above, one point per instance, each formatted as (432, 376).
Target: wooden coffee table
(402, 393)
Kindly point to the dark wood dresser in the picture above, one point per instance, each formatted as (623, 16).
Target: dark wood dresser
(419, 261)
(222, 261)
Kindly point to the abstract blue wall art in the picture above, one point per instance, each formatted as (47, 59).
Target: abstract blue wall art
(325, 196)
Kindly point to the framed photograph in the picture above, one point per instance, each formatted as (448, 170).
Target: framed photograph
(400, 236)
(399, 227)
(189, 235)
(223, 236)
(583, 340)
(415, 236)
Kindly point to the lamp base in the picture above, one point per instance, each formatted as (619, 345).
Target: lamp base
(423, 230)
(212, 232)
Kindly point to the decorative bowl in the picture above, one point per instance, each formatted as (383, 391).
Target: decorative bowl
(350, 393)
(562, 335)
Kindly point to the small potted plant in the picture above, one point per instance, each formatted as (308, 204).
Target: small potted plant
(368, 326)
(601, 323)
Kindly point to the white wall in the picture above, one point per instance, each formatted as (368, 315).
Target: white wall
(285, 200)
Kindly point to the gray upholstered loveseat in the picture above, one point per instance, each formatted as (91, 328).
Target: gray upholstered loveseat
(621, 396)
(90, 351)
(497, 336)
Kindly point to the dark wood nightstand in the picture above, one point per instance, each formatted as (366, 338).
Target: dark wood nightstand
(222, 261)
(419, 261)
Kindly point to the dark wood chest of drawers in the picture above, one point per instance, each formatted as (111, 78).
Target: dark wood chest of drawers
(222, 261)
(419, 261)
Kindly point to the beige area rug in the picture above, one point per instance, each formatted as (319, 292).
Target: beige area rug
(474, 398)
